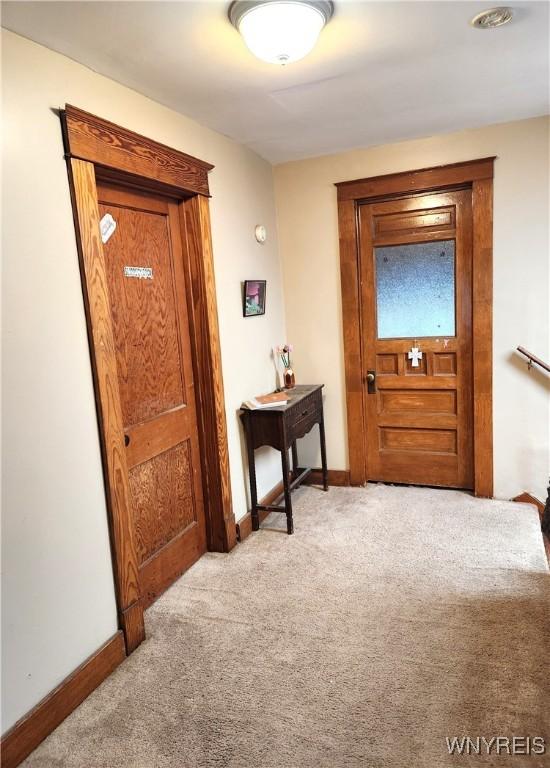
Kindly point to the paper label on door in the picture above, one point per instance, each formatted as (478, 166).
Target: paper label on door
(143, 273)
(107, 226)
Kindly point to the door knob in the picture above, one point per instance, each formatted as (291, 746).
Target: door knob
(370, 379)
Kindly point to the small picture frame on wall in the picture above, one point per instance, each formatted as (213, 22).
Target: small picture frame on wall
(254, 298)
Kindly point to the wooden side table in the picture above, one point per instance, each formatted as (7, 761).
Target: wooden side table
(280, 427)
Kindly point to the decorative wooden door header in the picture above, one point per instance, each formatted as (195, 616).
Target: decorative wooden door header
(98, 141)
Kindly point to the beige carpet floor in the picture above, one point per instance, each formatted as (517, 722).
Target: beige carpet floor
(392, 619)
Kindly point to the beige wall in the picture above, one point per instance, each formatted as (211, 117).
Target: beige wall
(58, 600)
(308, 240)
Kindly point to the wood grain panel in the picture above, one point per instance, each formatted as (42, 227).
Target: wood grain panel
(133, 625)
(34, 727)
(417, 382)
(435, 440)
(166, 565)
(387, 365)
(405, 223)
(421, 180)
(97, 303)
(349, 279)
(208, 373)
(439, 470)
(98, 141)
(417, 419)
(464, 256)
(414, 236)
(430, 401)
(402, 346)
(150, 438)
(143, 314)
(162, 498)
(482, 201)
(444, 364)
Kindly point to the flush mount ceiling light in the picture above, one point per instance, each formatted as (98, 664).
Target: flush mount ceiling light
(493, 17)
(280, 31)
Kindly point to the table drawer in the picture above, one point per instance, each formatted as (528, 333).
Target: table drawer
(307, 413)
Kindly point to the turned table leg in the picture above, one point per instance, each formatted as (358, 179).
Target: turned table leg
(286, 485)
(253, 486)
(323, 453)
(294, 458)
(546, 514)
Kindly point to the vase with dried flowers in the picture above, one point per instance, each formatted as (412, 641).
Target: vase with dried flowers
(288, 376)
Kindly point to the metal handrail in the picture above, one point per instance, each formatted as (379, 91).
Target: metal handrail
(534, 359)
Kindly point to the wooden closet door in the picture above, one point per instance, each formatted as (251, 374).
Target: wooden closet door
(146, 281)
(416, 291)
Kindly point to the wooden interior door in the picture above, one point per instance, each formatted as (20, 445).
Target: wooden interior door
(416, 291)
(147, 294)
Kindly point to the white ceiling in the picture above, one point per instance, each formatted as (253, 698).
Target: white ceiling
(381, 72)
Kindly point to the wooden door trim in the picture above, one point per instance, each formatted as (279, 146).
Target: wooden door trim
(88, 137)
(420, 180)
(96, 149)
(220, 520)
(477, 175)
(100, 333)
(482, 334)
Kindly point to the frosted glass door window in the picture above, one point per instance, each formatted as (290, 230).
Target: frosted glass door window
(415, 290)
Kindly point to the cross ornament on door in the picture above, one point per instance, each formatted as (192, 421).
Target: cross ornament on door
(415, 355)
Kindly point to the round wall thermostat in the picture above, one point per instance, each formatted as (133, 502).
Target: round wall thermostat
(260, 233)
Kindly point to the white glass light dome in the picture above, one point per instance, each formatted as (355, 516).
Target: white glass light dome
(280, 31)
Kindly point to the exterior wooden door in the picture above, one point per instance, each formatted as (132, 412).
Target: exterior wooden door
(147, 295)
(416, 298)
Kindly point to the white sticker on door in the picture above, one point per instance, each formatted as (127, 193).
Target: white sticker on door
(143, 273)
(107, 226)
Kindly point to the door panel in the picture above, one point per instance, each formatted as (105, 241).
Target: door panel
(430, 402)
(162, 498)
(144, 316)
(416, 267)
(146, 279)
(414, 439)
